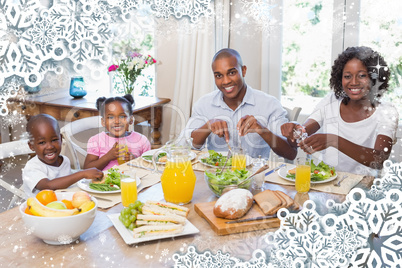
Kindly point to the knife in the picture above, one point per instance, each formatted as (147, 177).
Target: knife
(253, 219)
(275, 169)
(137, 166)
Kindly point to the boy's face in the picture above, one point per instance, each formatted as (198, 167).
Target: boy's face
(117, 119)
(229, 77)
(46, 143)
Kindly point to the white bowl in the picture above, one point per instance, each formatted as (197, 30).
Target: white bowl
(59, 230)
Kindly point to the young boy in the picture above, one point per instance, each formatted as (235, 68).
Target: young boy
(48, 169)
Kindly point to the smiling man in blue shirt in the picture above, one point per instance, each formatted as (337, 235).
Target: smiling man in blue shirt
(237, 113)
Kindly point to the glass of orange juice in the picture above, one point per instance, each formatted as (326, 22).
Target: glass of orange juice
(303, 175)
(238, 159)
(128, 188)
(123, 149)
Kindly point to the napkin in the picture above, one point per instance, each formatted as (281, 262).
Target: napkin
(347, 184)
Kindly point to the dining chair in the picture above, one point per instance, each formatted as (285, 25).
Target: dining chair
(293, 114)
(12, 149)
(72, 144)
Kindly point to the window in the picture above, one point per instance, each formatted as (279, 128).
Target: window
(306, 52)
(135, 39)
(316, 31)
(380, 28)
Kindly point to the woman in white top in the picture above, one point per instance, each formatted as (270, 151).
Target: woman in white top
(357, 131)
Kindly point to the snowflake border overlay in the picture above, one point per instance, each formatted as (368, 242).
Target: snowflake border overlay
(35, 39)
(363, 231)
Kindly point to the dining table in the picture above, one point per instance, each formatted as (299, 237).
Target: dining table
(102, 245)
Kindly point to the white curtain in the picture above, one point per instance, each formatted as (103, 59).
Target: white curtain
(193, 71)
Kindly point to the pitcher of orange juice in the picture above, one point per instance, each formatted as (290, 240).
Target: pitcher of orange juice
(178, 178)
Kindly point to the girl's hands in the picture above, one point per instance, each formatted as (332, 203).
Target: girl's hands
(113, 153)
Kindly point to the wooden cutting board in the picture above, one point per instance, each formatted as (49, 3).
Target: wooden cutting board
(205, 210)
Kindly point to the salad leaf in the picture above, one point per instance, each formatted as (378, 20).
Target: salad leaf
(113, 177)
(216, 159)
(319, 172)
(149, 157)
(218, 181)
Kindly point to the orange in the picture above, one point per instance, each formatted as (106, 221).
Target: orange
(46, 196)
(27, 211)
(68, 203)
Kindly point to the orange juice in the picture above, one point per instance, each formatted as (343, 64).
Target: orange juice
(128, 191)
(178, 182)
(303, 175)
(123, 149)
(238, 161)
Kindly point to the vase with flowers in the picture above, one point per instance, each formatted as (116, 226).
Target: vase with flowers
(129, 67)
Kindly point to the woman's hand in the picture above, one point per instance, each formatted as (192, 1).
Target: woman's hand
(288, 130)
(318, 142)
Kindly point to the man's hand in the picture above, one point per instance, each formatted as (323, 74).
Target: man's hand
(248, 124)
(219, 128)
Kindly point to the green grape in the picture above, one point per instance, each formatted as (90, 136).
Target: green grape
(132, 218)
(137, 204)
(126, 222)
(126, 210)
(131, 206)
(133, 212)
(140, 208)
(131, 226)
(121, 218)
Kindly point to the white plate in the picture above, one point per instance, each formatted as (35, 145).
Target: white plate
(128, 235)
(151, 152)
(249, 159)
(84, 185)
(284, 171)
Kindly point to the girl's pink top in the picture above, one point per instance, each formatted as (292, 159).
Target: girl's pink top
(101, 143)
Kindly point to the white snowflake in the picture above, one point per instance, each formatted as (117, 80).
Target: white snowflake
(361, 232)
(65, 239)
(165, 252)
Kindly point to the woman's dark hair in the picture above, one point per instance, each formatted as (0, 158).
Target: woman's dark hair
(127, 99)
(376, 67)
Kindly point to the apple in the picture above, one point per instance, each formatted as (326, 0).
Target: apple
(57, 205)
(80, 198)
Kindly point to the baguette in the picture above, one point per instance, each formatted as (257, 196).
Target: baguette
(151, 230)
(268, 201)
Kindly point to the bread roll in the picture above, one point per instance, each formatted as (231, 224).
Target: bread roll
(233, 204)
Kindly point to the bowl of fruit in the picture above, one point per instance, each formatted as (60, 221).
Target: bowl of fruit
(59, 218)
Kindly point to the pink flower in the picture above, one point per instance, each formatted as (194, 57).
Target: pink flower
(146, 62)
(153, 60)
(113, 67)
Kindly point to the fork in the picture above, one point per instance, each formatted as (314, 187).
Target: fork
(229, 155)
(338, 184)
